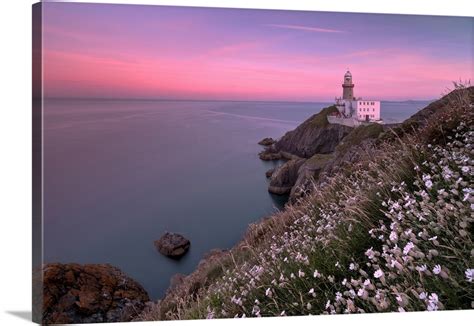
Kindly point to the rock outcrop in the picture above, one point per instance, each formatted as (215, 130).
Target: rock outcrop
(314, 136)
(269, 172)
(173, 245)
(267, 141)
(92, 293)
(284, 177)
(308, 173)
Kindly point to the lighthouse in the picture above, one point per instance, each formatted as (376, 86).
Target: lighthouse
(348, 87)
(353, 111)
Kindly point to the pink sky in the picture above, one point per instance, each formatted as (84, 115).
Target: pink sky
(158, 52)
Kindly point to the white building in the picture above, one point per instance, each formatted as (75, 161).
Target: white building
(354, 111)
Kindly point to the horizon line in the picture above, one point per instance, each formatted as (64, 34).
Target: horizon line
(207, 100)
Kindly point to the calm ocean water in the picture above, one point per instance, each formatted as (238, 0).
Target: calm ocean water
(118, 174)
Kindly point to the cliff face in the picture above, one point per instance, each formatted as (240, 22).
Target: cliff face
(314, 136)
(306, 148)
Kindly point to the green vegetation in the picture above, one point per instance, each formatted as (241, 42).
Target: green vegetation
(395, 233)
(320, 120)
(359, 134)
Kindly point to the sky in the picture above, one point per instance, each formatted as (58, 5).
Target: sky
(153, 52)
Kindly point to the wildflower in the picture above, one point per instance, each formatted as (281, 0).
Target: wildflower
(421, 268)
(437, 269)
(370, 253)
(366, 282)
(393, 236)
(300, 273)
(433, 238)
(469, 274)
(308, 306)
(328, 304)
(352, 267)
(409, 246)
(378, 273)
(316, 274)
(465, 169)
(433, 302)
(283, 313)
(361, 292)
(422, 295)
(400, 309)
(338, 296)
(268, 292)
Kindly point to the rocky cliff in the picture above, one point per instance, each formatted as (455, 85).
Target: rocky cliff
(316, 149)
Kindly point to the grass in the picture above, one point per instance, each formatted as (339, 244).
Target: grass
(320, 120)
(359, 134)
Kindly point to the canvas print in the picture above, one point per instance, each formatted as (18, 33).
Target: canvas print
(198, 163)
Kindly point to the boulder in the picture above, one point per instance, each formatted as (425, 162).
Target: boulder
(269, 173)
(285, 176)
(267, 141)
(91, 293)
(173, 245)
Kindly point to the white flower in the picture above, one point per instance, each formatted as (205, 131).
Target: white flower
(378, 273)
(465, 169)
(366, 282)
(422, 295)
(268, 292)
(316, 274)
(393, 236)
(469, 274)
(400, 309)
(421, 268)
(338, 296)
(433, 238)
(437, 269)
(352, 267)
(433, 302)
(409, 246)
(370, 253)
(300, 273)
(360, 292)
(308, 306)
(328, 304)
(283, 313)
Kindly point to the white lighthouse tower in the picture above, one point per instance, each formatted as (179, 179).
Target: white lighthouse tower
(352, 111)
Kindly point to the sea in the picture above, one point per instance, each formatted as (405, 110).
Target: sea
(120, 173)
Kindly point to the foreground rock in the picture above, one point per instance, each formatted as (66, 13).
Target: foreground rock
(173, 245)
(267, 141)
(284, 177)
(92, 293)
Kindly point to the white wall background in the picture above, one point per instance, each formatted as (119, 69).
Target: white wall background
(15, 157)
